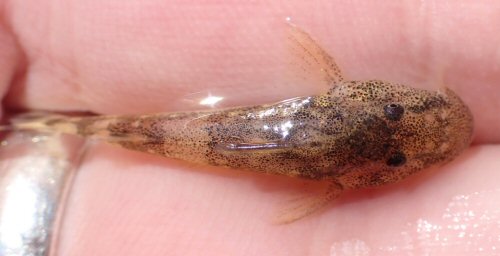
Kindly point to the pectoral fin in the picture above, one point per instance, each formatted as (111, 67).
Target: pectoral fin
(312, 61)
(308, 206)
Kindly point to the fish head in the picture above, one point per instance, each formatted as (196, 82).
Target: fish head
(397, 130)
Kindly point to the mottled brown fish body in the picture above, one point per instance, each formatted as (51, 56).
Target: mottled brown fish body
(348, 135)
(283, 138)
(358, 134)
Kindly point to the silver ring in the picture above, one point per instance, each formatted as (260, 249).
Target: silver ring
(36, 172)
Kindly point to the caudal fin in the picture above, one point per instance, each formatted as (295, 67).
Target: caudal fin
(41, 122)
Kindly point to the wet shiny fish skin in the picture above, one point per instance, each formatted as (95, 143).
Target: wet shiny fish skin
(345, 135)
(357, 134)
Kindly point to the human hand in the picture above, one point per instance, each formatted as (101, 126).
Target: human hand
(141, 57)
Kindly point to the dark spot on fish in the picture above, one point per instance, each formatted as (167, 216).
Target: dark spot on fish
(429, 103)
(371, 140)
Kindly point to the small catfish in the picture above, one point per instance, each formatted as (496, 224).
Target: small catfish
(358, 134)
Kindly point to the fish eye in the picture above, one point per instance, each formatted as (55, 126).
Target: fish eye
(394, 111)
(397, 159)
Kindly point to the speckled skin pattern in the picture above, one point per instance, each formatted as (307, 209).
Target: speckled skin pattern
(358, 134)
(345, 135)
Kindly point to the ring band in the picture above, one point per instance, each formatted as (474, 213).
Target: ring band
(36, 172)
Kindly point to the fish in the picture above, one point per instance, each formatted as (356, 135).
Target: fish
(357, 134)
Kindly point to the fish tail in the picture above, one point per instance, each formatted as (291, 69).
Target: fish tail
(42, 122)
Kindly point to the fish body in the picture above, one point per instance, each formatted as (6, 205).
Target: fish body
(357, 134)
(360, 133)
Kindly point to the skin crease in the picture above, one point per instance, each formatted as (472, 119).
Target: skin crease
(102, 56)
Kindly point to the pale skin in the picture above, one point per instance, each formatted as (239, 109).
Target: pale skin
(119, 202)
